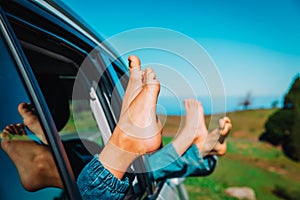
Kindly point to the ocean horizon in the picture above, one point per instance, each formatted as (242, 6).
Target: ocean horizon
(175, 106)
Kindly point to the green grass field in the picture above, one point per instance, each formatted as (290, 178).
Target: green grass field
(248, 162)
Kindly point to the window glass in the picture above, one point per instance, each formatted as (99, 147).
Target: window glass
(13, 93)
(55, 63)
(84, 124)
(73, 115)
(118, 80)
(85, 121)
(113, 67)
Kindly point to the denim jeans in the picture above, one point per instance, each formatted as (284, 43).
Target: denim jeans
(96, 182)
(166, 163)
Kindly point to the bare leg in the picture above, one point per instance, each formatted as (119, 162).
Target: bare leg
(195, 132)
(34, 162)
(138, 130)
(194, 128)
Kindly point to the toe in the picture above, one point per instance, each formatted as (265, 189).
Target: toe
(20, 129)
(225, 126)
(135, 69)
(150, 77)
(188, 103)
(8, 129)
(21, 108)
(24, 109)
(134, 62)
(150, 74)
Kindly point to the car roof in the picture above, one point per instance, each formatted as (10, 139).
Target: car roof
(57, 12)
(62, 11)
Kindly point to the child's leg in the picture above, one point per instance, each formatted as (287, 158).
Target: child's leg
(194, 128)
(167, 163)
(137, 132)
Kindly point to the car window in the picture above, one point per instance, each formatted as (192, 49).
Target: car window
(12, 88)
(55, 63)
(79, 100)
(118, 78)
(84, 120)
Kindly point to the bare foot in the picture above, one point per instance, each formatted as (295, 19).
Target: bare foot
(194, 130)
(135, 83)
(140, 122)
(138, 130)
(34, 162)
(216, 143)
(31, 120)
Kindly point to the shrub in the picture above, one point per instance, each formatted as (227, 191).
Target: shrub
(286, 193)
(283, 127)
(278, 127)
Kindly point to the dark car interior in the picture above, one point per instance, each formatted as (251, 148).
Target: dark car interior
(55, 65)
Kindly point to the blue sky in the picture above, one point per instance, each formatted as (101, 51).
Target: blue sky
(255, 45)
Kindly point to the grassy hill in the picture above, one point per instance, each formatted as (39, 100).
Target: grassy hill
(248, 162)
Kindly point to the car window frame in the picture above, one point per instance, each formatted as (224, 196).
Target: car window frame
(39, 102)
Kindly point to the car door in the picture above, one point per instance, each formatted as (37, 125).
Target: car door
(45, 60)
(45, 57)
(19, 85)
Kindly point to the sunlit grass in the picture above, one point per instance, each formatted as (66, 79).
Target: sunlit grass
(248, 162)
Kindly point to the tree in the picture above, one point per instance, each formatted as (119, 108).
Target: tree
(292, 99)
(291, 145)
(278, 127)
(283, 127)
(247, 101)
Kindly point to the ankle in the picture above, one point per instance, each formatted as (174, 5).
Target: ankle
(121, 162)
